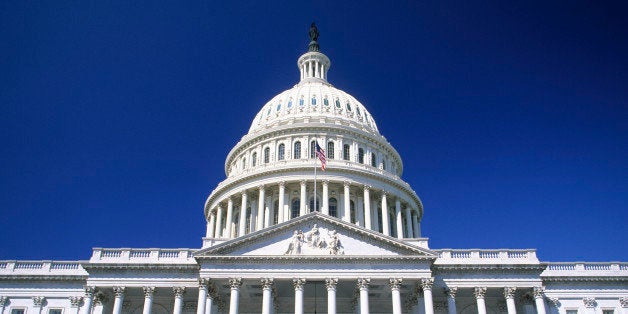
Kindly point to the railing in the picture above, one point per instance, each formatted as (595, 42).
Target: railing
(42, 268)
(125, 255)
(472, 256)
(586, 269)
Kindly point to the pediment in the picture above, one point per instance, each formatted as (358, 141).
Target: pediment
(316, 234)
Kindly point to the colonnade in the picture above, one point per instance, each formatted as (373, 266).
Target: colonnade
(353, 203)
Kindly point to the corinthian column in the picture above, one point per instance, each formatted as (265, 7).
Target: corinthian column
(211, 226)
(261, 207)
(363, 285)
(426, 285)
(409, 222)
(298, 295)
(235, 284)
(479, 297)
(395, 284)
(202, 295)
(398, 220)
(119, 298)
(218, 233)
(178, 299)
(385, 223)
(367, 208)
(242, 223)
(331, 283)
(451, 299)
(325, 208)
(267, 286)
(75, 303)
(148, 299)
(281, 216)
(303, 199)
(347, 200)
(89, 298)
(538, 299)
(509, 295)
(229, 218)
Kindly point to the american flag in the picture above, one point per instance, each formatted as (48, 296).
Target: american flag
(320, 153)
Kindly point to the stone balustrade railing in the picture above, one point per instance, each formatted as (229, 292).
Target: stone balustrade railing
(126, 255)
(586, 269)
(51, 268)
(480, 256)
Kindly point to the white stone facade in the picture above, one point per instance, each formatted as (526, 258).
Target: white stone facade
(279, 241)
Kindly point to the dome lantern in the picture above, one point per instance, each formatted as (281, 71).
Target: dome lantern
(313, 65)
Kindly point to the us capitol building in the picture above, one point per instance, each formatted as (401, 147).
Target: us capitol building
(279, 241)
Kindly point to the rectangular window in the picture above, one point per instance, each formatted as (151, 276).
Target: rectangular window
(345, 152)
(571, 312)
(55, 311)
(608, 311)
(18, 311)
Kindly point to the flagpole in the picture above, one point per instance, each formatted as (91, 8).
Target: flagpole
(315, 158)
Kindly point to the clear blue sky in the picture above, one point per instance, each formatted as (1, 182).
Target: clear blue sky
(510, 116)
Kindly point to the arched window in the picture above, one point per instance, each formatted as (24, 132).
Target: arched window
(337, 103)
(290, 103)
(278, 106)
(373, 160)
(352, 211)
(361, 155)
(346, 150)
(244, 163)
(348, 106)
(301, 101)
(281, 152)
(313, 149)
(276, 213)
(313, 101)
(296, 207)
(330, 150)
(326, 102)
(254, 159)
(333, 207)
(266, 155)
(318, 204)
(380, 225)
(297, 150)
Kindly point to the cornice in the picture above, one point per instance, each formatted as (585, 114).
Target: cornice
(44, 277)
(312, 259)
(139, 266)
(585, 278)
(487, 267)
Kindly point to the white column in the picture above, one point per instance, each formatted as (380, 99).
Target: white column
(363, 285)
(415, 226)
(426, 284)
(325, 209)
(303, 199)
(267, 286)
(178, 300)
(202, 295)
(479, 297)
(218, 233)
(409, 222)
(75, 303)
(261, 207)
(229, 218)
(211, 226)
(367, 208)
(89, 298)
(148, 299)
(451, 299)
(282, 193)
(395, 284)
(538, 299)
(119, 299)
(398, 221)
(235, 284)
(98, 306)
(331, 283)
(298, 295)
(209, 304)
(242, 223)
(509, 295)
(385, 222)
(347, 202)
(420, 299)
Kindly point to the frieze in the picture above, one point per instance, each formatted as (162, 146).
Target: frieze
(589, 302)
(313, 242)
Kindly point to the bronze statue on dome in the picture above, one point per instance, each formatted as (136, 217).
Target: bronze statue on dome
(313, 38)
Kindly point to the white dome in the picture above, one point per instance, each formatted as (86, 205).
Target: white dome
(313, 100)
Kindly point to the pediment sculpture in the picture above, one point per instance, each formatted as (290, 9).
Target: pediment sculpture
(314, 243)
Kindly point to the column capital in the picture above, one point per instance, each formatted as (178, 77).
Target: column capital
(303, 182)
(325, 182)
(384, 193)
(235, 283)
(178, 291)
(267, 283)
(479, 292)
(346, 183)
(589, 302)
(538, 292)
(298, 283)
(623, 301)
(89, 290)
(509, 292)
(202, 283)
(261, 187)
(4, 300)
(75, 301)
(331, 283)
(363, 283)
(282, 183)
(451, 292)
(38, 301)
(367, 187)
(119, 291)
(427, 283)
(395, 283)
(99, 298)
(243, 193)
(148, 291)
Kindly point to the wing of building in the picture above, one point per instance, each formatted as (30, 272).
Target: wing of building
(282, 238)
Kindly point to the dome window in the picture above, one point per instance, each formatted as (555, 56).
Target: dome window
(330, 150)
(290, 103)
(279, 107)
(268, 113)
(301, 102)
(266, 155)
(373, 160)
(318, 204)
(281, 152)
(244, 163)
(326, 101)
(297, 150)
(337, 103)
(361, 155)
(313, 149)
(348, 106)
(296, 208)
(313, 100)
(357, 109)
(346, 150)
(254, 159)
(333, 207)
